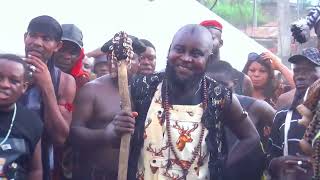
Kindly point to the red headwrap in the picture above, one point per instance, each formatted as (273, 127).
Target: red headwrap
(212, 24)
(77, 72)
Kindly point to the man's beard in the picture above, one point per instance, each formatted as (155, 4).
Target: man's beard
(174, 80)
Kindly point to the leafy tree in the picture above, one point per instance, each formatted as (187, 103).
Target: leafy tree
(237, 12)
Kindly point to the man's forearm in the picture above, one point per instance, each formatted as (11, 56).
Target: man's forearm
(241, 149)
(55, 124)
(35, 175)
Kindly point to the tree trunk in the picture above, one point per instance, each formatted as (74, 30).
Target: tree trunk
(284, 37)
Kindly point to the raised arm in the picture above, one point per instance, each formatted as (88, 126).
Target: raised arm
(57, 113)
(277, 65)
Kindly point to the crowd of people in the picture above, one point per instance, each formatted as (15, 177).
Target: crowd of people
(199, 118)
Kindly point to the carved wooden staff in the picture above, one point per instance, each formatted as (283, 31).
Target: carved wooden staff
(122, 53)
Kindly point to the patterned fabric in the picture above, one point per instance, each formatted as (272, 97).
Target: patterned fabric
(186, 129)
(219, 100)
(295, 134)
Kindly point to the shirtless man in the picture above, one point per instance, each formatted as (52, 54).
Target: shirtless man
(95, 107)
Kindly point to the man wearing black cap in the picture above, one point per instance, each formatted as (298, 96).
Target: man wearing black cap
(69, 57)
(96, 105)
(52, 92)
(288, 159)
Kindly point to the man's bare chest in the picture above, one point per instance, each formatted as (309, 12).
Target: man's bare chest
(105, 108)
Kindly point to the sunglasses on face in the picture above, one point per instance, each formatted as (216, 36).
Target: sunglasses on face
(253, 56)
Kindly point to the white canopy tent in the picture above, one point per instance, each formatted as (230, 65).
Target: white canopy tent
(99, 20)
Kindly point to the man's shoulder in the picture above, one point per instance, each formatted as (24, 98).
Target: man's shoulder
(67, 86)
(146, 82)
(92, 88)
(214, 82)
(143, 87)
(66, 78)
(100, 81)
(150, 78)
(246, 98)
(261, 104)
(246, 101)
(67, 81)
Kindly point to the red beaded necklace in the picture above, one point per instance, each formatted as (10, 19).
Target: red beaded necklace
(185, 166)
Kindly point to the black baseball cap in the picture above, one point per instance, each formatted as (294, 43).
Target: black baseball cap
(310, 54)
(72, 33)
(47, 25)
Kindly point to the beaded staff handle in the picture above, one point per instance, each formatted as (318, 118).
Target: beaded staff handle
(122, 53)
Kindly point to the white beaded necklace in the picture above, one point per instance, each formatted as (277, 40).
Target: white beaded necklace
(11, 125)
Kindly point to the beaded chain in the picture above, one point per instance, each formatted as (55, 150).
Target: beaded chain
(316, 163)
(11, 125)
(185, 167)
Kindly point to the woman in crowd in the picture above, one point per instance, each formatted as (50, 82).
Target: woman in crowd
(260, 69)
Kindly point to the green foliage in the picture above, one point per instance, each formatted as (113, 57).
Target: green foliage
(237, 12)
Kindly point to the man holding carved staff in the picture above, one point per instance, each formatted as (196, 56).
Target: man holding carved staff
(93, 130)
(178, 133)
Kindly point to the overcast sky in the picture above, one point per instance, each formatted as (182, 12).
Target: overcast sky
(99, 20)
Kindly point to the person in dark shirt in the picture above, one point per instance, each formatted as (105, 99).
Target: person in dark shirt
(20, 129)
(288, 160)
(260, 113)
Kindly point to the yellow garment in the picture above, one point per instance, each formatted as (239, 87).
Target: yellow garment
(156, 151)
